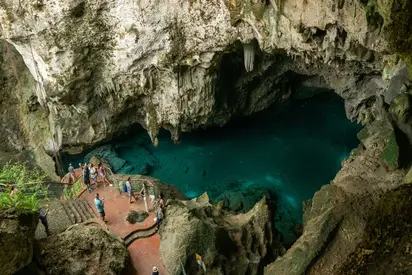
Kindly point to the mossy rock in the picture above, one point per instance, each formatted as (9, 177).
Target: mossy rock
(363, 134)
(239, 8)
(400, 107)
(408, 177)
(136, 216)
(391, 152)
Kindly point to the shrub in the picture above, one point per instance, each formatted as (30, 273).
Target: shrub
(28, 183)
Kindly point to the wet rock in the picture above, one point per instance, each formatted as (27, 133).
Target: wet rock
(136, 216)
(145, 169)
(16, 240)
(83, 250)
(238, 199)
(228, 244)
(108, 153)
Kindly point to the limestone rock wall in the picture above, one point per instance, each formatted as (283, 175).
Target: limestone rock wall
(16, 241)
(228, 244)
(83, 249)
(340, 219)
(76, 72)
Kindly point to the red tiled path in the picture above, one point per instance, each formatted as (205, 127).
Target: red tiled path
(144, 252)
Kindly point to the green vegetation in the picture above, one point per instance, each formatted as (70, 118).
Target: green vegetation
(28, 185)
(391, 153)
(75, 189)
(394, 17)
(363, 134)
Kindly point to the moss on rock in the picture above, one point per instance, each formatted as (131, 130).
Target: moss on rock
(391, 152)
(363, 134)
(400, 107)
(239, 8)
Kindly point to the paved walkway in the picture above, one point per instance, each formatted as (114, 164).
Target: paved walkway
(144, 252)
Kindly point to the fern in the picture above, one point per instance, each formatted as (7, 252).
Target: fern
(27, 182)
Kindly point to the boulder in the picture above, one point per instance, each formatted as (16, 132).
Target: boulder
(137, 216)
(16, 241)
(108, 153)
(380, 140)
(239, 199)
(83, 250)
(228, 244)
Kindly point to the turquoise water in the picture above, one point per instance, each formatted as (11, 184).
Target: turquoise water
(292, 153)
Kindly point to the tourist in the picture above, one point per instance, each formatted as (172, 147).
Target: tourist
(155, 271)
(100, 206)
(161, 201)
(72, 173)
(159, 217)
(86, 177)
(129, 189)
(93, 174)
(43, 219)
(13, 192)
(102, 174)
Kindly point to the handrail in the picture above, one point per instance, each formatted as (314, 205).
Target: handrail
(24, 184)
(68, 175)
(141, 179)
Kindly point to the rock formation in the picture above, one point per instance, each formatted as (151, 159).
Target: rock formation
(78, 72)
(228, 244)
(16, 241)
(348, 224)
(83, 250)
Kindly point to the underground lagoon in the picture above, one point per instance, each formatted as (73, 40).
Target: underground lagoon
(285, 152)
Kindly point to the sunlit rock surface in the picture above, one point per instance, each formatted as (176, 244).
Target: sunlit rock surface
(228, 244)
(83, 250)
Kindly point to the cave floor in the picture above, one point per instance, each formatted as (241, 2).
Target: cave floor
(144, 252)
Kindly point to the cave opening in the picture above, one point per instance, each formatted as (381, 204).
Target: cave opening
(286, 137)
(288, 154)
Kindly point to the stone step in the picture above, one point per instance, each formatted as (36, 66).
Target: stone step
(69, 212)
(89, 210)
(82, 215)
(78, 210)
(77, 217)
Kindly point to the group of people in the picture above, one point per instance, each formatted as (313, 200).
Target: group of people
(90, 174)
(159, 204)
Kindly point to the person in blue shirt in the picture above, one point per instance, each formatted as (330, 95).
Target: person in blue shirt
(100, 206)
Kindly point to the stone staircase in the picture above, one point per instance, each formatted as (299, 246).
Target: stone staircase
(63, 214)
(78, 210)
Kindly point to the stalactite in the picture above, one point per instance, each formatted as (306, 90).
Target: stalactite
(249, 56)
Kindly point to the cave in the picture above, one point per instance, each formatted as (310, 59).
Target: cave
(286, 137)
(285, 152)
(306, 104)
